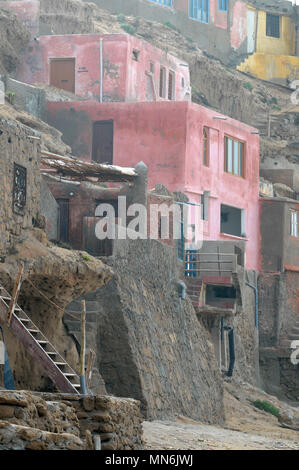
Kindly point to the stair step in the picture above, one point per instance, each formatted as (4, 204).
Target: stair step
(51, 361)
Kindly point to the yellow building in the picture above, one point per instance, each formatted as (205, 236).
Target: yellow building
(272, 41)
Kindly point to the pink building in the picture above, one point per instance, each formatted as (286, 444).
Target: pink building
(109, 67)
(210, 157)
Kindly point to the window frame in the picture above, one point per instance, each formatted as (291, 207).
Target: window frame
(234, 139)
(294, 225)
(206, 146)
(223, 5)
(194, 6)
(273, 15)
(164, 3)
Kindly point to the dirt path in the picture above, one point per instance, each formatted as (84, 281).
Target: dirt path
(160, 435)
(246, 427)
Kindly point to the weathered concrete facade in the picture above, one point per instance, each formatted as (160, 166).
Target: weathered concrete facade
(222, 33)
(279, 296)
(169, 139)
(20, 206)
(109, 67)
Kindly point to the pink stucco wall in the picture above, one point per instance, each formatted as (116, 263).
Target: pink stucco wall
(125, 79)
(238, 32)
(167, 136)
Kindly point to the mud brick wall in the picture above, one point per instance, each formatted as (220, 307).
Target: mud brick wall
(28, 422)
(17, 147)
(46, 421)
(117, 421)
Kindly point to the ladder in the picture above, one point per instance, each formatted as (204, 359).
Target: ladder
(39, 347)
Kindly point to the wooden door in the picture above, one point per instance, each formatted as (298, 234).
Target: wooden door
(62, 74)
(102, 142)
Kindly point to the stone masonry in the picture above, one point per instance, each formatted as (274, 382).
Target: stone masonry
(34, 421)
(17, 146)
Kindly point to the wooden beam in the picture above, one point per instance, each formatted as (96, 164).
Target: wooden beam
(83, 348)
(90, 363)
(15, 294)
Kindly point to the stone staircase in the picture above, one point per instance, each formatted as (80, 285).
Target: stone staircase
(38, 346)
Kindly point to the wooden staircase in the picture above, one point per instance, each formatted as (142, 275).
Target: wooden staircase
(40, 348)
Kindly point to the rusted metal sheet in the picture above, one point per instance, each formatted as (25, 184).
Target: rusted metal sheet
(62, 74)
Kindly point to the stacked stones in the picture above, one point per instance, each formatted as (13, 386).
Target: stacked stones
(28, 422)
(117, 421)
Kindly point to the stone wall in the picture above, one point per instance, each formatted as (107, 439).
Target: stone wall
(150, 345)
(29, 98)
(33, 421)
(18, 147)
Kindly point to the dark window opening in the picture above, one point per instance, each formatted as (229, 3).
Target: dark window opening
(221, 296)
(102, 142)
(19, 189)
(232, 221)
(273, 25)
(135, 55)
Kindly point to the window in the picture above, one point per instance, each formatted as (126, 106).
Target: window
(171, 85)
(223, 5)
(19, 189)
(167, 3)
(232, 220)
(273, 25)
(135, 55)
(162, 88)
(206, 147)
(234, 156)
(294, 224)
(152, 67)
(199, 10)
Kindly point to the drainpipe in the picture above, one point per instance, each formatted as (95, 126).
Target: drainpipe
(231, 345)
(255, 288)
(101, 70)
